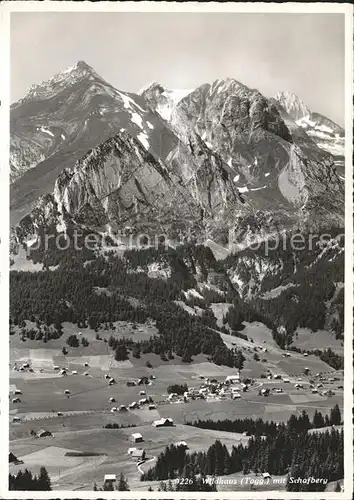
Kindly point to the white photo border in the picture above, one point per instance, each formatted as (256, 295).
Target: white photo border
(6, 8)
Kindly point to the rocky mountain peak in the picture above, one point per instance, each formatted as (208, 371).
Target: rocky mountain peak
(293, 105)
(65, 78)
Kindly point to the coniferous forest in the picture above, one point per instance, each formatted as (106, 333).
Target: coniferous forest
(284, 449)
(68, 293)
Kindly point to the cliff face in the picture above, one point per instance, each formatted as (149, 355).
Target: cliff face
(223, 161)
(60, 120)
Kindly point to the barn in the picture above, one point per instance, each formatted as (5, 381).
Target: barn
(182, 444)
(136, 437)
(44, 433)
(138, 454)
(109, 479)
(163, 422)
(232, 379)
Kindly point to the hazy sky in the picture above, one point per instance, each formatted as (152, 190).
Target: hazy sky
(302, 53)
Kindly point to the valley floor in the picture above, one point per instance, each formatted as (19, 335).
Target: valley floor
(83, 413)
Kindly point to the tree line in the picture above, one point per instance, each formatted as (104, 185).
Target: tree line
(291, 450)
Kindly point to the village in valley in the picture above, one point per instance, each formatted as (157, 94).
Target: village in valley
(91, 418)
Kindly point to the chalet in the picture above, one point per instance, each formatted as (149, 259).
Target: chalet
(232, 379)
(110, 479)
(86, 364)
(143, 401)
(56, 367)
(133, 405)
(277, 377)
(123, 408)
(111, 381)
(113, 409)
(138, 454)
(59, 414)
(18, 391)
(183, 444)
(74, 372)
(112, 400)
(142, 393)
(12, 458)
(136, 437)
(63, 372)
(265, 392)
(44, 433)
(266, 475)
(26, 365)
(16, 419)
(163, 422)
(286, 380)
(131, 450)
(66, 391)
(131, 383)
(143, 381)
(107, 377)
(16, 400)
(305, 354)
(236, 395)
(152, 407)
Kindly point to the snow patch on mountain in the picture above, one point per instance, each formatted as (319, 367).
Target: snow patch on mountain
(129, 102)
(138, 120)
(143, 138)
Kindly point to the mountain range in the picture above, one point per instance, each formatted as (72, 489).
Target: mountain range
(206, 167)
(217, 160)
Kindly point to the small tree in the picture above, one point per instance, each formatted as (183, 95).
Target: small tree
(85, 342)
(64, 351)
(186, 357)
(73, 341)
(335, 416)
(121, 353)
(44, 483)
(122, 484)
